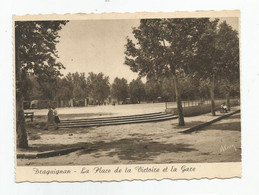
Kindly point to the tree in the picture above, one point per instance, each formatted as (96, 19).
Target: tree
(99, 86)
(136, 90)
(64, 89)
(165, 47)
(167, 84)
(78, 85)
(204, 87)
(120, 89)
(206, 63)
(217, 58)
(153, 88)
(189, 87)
(35, 52)
(228, 44)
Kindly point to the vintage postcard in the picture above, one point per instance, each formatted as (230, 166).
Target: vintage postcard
(133, 96)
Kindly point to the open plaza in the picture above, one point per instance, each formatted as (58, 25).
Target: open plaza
(141, 143)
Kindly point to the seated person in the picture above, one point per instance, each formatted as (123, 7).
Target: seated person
(223, 107)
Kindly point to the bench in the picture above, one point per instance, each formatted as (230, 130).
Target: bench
(29, 115)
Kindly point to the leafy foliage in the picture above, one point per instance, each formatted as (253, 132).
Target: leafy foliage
(167, 88)
(78, 84)
(228, 44)
(35, 52)
(153, 89)
(164, 46)
(99, 86)
(120, 89)
(136, 91)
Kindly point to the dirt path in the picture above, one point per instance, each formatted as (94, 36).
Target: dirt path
(147, 143)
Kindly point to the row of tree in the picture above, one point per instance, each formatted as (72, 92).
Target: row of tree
(180, 48)
(97, 87)
(72, 86)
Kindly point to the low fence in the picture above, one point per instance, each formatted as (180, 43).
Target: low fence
(188, 103)
(198, 109)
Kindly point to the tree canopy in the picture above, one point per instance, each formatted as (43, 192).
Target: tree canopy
(99, 86)
(35, 52)
(153, 89)
(120, 89)
(78, 84)
(164, 46)
(136, 90)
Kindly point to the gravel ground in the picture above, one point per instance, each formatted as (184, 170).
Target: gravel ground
(147, 143)
(118, 110)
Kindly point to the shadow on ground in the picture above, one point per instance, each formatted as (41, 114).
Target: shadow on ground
(235, 116)
(231, 126)
(187, 125)
(135, 149)
(51, 147)
(226, 126)
(125, 149)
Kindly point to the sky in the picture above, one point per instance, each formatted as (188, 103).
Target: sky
(99, 45)
(96, 46)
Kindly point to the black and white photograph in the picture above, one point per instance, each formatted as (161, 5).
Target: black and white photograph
(154, 90)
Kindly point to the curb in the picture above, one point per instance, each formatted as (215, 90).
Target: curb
(199, 127)
(48, 153)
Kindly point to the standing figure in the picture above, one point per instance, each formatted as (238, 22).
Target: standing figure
(56, 118)
(50, 118)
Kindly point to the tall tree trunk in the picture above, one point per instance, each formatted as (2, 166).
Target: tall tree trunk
(212, 96)
(228, 100)
(21, 135)
(179, 103)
